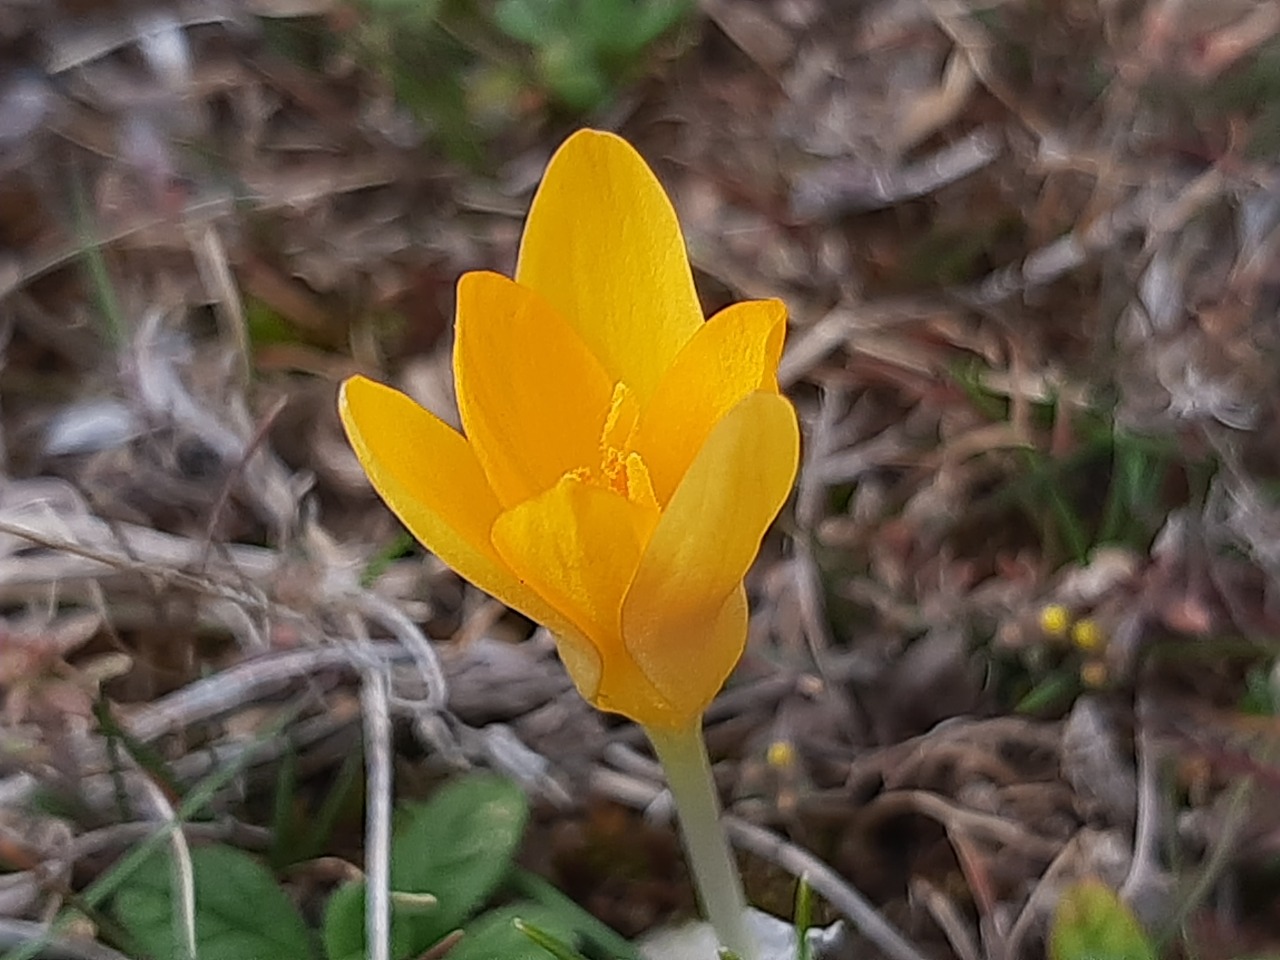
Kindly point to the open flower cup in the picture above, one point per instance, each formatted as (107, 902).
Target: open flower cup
(621, 458)
(619, 462)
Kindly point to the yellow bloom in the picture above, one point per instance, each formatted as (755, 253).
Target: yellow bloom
(1087, 635)
(781, 754)
(622, 457)
(1055, 620)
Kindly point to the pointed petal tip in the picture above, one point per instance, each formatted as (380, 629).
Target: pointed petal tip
(707, 539)
(589, 137)
(733, 355)
(357, 396)
(473, 280)
(602, 244)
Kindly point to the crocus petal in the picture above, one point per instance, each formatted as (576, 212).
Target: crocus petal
(732, 355)
(577, 545)
(603, 245)
(533, 399)
(432, 481)
(702, 547)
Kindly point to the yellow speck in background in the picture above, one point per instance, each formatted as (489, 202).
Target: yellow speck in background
(781, 754)
(1055, 620)
(1093, 674)
(1087, 635)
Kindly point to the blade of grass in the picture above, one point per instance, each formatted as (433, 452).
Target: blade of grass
(143, 754)
(538, 890)
(553, 946)
(399, 546)
(803, 918)
(1069, 524)
(196, 801)
(283, 830)
(96, 264)
(1055, 690)
(348, 779)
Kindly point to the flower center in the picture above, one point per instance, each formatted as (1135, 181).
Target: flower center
(621, 469)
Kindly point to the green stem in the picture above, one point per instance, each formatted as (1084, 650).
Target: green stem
(684, 757)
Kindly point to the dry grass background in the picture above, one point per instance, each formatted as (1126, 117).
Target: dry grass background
(1031, 255)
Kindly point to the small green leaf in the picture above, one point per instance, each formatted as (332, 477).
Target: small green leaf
(496, 935)
(570, 74)
(267, 326)
(240, 909)
(343, 931)
(1092, 923)
(457, 847)
(1053, 692)
(1261, 697)
(607, 941)
(803, 917)
(401, 545)
(659, 16)
(524, 21)
(646, 23)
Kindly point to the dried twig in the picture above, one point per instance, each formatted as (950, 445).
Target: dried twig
(375, 707)
(183, 872)
(17, 934)
(1147, 834)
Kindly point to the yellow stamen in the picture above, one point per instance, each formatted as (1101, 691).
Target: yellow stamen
(624, 415)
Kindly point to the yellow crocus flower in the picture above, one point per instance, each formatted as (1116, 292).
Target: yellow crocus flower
(621, 458)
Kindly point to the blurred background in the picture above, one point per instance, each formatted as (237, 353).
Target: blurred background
(1013, 662)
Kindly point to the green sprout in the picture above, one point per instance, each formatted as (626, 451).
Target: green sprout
(582, 49)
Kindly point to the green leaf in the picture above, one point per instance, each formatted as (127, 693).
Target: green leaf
(240, 909)
(1054, 692)
(415, 14)
(659, 16)
(1260, 697)
(344, 923)
(267, 325)
(401, 545)
(457, 847)
(550, 943)
(343, 930)
(608, 942)
(1092, 923)
(646, 22)
(571, 75)
(803, 918)
(496, 935)
(525, 21)
(601, 23)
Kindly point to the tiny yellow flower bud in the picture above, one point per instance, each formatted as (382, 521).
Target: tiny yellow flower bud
(1087, 635)
(1093, 674)
(781, 754)
(1055, 620)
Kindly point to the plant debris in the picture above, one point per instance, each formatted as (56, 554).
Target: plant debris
(1017, 630)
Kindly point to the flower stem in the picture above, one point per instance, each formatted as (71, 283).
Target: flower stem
(684, 757)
